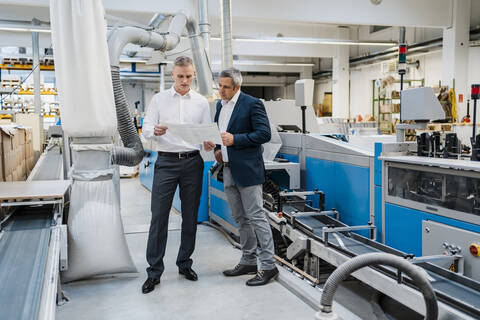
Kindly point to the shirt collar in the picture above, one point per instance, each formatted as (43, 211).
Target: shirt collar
(174, 92)
(234, 99)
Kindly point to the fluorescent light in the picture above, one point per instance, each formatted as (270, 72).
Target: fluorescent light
(24, 29)
(313, 41)
(273, 64)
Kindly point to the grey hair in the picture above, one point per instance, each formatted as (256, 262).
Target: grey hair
(183, 61)
(233, 74)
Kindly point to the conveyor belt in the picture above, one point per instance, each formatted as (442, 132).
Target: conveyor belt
(460, 292)
(23, 254)
(24, 243)
(50, 167)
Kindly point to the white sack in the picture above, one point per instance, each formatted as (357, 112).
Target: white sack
(82, 68)
(96, 243)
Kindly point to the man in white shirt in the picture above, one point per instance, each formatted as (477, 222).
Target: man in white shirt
(178, 164)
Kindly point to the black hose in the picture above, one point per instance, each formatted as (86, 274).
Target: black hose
(417, 274)
(132, 152)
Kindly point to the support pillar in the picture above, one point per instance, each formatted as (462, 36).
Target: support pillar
(341, 77)
(455, 53)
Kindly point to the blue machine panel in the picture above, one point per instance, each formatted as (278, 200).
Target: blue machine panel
(403, 227)
(346, 188)
(289, 157)
(220, 208)
(377, 177)
(203, 208)
(147, 167)
(216, 184)
(378, 212)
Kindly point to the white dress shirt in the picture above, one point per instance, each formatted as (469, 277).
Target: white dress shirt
(224, 119)
(171, 107)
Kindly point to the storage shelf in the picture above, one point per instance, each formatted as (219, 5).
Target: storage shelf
(25, 67)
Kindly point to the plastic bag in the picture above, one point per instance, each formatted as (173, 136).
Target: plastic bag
(96, 242)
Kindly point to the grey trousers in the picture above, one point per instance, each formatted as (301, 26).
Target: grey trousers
(188, 175)
(246, 205)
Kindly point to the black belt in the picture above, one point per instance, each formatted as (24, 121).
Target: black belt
(179, 155)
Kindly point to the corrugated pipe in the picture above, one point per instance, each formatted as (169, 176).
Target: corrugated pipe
(417, 274)
(132, 152)
(226, 33)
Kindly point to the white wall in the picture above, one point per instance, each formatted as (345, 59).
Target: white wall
(430, 70)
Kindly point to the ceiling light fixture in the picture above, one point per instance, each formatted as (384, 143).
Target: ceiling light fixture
(24, 29)
(313, 41)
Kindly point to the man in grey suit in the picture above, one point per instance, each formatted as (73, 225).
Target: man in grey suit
(244, 124)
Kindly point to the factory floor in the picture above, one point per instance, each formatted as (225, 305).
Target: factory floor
(213, 296)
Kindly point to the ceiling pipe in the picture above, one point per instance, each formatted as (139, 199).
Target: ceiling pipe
(204, 25)
(226, 33)
(120, 37)
(202, 67)
(423, 45)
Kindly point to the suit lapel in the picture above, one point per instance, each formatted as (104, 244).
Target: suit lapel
(217, 112)
(235, 112)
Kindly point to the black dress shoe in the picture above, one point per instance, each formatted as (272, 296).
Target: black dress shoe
(263, 277)
(150, 284)
(189, 274)
(241, 269)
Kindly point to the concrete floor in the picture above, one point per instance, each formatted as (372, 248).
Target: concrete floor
(213, 296)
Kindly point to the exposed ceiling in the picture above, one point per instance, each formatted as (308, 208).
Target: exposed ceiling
(318, 19)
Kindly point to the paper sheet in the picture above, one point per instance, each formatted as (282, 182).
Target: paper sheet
(195, 133)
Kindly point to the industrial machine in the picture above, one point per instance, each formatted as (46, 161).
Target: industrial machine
(355, 199)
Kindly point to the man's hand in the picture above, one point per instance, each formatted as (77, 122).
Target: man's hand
(218, 156)
(160, 130)
(208, 145)
(227, 139)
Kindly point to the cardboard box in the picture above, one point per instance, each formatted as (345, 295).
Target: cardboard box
(30, 163)
(386, 108)
(32, 120)
(28, 134)
(28, 150)
(13, 153)
(327, 103)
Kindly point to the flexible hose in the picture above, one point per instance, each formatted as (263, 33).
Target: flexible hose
(417, 274)
(132, 152)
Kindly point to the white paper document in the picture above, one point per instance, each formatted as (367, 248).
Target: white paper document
(195, 133)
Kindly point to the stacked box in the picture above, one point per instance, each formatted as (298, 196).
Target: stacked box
(2, 176)
(29, 155)
(13, 153)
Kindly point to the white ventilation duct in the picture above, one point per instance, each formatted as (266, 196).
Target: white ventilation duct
(204, 25)
(226, 33)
